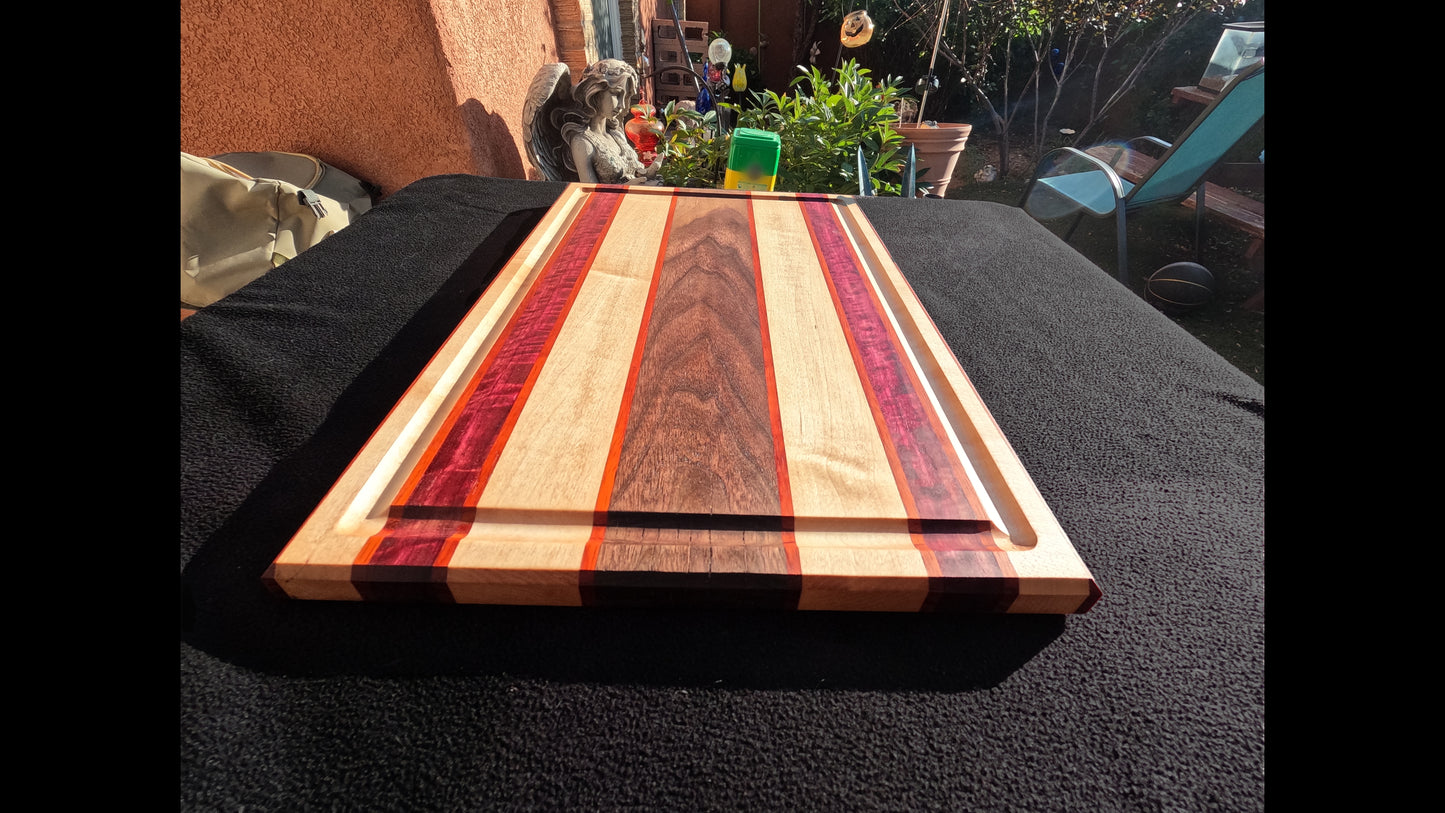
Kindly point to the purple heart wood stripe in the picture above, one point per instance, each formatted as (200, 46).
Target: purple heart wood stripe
(436, 507)
(931, 481)
(687, 396)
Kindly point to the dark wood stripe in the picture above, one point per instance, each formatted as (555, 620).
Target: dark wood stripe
(408, 583)
(973, 579)
(695, 489)
(455, 513)
(734, 591)
(699, 435)
(718, 522)
(692, 550)
(268, 579)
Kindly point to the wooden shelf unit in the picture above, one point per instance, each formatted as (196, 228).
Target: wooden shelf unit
(670, 54)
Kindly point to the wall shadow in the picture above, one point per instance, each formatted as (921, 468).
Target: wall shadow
(494, 151)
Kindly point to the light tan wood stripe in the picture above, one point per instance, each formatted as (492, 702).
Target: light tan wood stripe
(837, 466)
(317, 563)
(836, 462)
(537, 509)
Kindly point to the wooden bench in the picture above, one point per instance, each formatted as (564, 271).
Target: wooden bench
(1192, 93)
(1225, 204)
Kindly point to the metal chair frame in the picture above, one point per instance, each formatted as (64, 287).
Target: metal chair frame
(1181, 171)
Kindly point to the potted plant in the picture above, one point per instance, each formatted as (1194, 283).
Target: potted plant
(937, 145)
(821, 125)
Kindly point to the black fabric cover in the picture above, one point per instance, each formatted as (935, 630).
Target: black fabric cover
(1148, 446)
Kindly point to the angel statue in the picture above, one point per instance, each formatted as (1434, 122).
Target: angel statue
(576, 133)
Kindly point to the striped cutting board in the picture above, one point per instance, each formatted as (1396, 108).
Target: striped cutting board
(674, 396)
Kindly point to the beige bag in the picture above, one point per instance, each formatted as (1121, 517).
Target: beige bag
(236, 227)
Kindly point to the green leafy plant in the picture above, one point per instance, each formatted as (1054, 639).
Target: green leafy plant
(694, 153)
(821, 124)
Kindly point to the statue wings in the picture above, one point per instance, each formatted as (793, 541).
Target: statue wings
(549, 95)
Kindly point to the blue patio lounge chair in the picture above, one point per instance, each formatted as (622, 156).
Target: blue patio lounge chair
(1076, 182)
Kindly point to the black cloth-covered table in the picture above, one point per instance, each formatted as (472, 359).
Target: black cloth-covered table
(1147, 445)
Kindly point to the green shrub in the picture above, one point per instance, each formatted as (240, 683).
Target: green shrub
(693, 152)
(821, 125)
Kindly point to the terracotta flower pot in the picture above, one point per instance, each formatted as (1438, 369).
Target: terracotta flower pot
(938, 148)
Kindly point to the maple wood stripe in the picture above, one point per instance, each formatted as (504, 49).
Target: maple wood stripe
(825, 243)
(934, 477)
(836, 464)
(775, 416)
(619, 429)
(454, 469)
(699, 436)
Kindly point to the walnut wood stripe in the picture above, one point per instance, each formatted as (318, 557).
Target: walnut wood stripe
(619, 427)
(699, 436)
(698, 439)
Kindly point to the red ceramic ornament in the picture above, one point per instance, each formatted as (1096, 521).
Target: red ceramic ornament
(643, 130)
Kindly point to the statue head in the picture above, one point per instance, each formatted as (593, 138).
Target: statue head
(606, 89)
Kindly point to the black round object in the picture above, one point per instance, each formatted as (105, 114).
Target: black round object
(1179, 287)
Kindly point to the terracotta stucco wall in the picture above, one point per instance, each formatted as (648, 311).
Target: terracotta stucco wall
(390, 90)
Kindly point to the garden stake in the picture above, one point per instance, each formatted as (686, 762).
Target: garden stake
(937, 38)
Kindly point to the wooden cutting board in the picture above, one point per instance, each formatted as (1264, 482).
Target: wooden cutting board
(676, 396)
